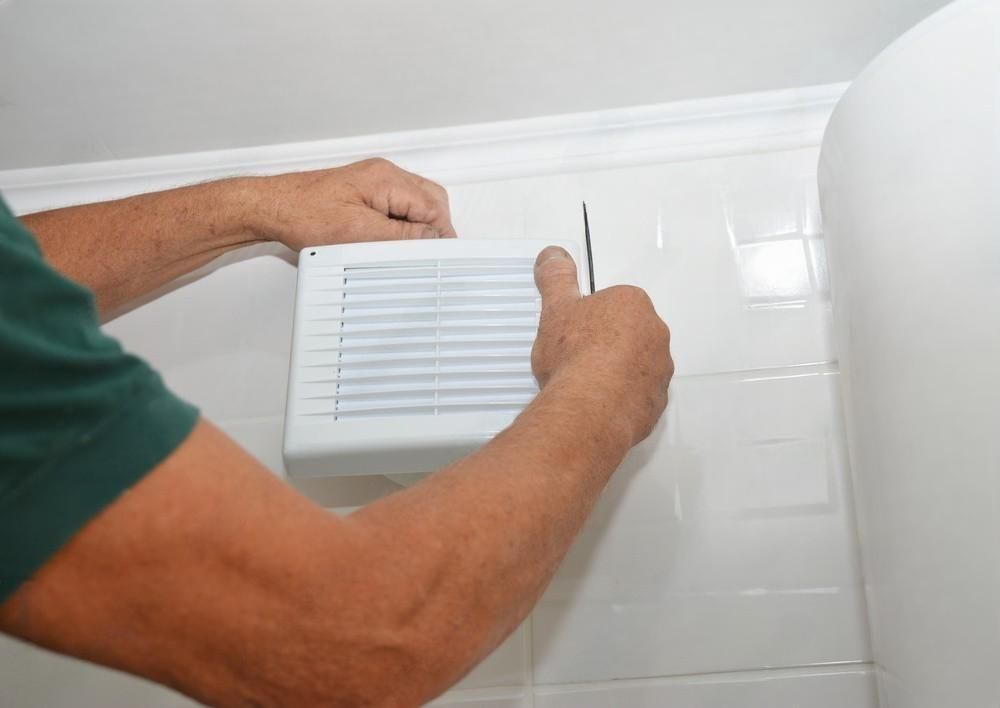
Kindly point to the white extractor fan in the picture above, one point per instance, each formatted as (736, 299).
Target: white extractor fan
(407, 355)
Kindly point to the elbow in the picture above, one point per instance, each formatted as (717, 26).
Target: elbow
(418, 626)
(403, 666)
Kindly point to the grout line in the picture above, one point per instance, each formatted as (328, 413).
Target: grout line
(529, 655)
(816, 368)
(470, 695)
(709, 677)
(769, 372)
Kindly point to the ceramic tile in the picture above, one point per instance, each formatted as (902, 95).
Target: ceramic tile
(483, 699)
(33, 677)
(507, 666)
(488, 702)
(730, 250)
(262, 438)
(775, 205)
(774, 273)
(221, 340)
(725, 542)
(839, 688)
(27, 673)
(547, 207)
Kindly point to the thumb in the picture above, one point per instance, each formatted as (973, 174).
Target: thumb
(555, 276)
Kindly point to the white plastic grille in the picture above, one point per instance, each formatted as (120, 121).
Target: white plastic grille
(420, 337)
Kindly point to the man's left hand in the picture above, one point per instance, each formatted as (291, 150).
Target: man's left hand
(373, 200)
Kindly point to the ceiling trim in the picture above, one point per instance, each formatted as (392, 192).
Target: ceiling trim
(670, 132)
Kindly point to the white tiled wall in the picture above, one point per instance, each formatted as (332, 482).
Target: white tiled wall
(32, 678)
(836, 688)
(723, 557)
(715, 552)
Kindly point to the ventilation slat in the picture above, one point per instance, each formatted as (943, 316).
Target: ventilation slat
(423, 337)
(446, 330)
(442, 360)
(373, 392)
(472, 375)
(429, 314)
(425, 268)
(427, 300)
(406, 359)
(425, 286)
(418, 344)
(422, 409)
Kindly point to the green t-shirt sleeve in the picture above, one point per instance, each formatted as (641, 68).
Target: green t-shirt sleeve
(80, 420)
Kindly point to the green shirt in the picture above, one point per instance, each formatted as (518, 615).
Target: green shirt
(80, 420)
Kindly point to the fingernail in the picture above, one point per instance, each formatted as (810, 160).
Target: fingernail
(549, 253)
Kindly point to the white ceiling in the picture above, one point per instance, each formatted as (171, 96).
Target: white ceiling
(84, 80)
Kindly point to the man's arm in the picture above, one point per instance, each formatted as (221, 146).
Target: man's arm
(214, 577)
(125, 248)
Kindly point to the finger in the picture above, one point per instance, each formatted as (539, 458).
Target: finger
(427, 203)
(403, 195)
(439, 195)
(370, 225)
(409, 203)
(555, 276)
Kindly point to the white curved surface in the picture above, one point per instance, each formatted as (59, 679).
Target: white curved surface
(909, 193)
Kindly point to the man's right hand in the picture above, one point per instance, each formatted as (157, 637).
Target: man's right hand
(612, 342)
(214, 577)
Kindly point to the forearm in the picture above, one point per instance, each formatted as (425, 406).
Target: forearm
(125, 248)
(471, 548)
(215, 578)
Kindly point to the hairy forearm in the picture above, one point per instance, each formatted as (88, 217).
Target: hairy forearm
(126, 248)
(470, 549)
(215, 578)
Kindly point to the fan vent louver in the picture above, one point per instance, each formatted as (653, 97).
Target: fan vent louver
(425, 337)
(408, 353)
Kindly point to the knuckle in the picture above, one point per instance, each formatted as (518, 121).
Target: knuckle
(664, 330)
(378, 163)
(631, 293)
(434, 188)
(639, 295)
(431, 211)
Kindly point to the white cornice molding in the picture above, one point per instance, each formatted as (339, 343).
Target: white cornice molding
(670, 132)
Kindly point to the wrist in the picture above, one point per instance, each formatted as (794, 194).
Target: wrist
(246, 200)
(591, 414)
